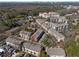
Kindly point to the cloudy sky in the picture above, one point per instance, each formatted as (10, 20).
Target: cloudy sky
(35, 0)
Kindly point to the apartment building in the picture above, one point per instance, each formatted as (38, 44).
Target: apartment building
(30, 48)
(15, 42)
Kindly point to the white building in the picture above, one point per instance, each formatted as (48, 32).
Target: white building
(49, 14)
(60, 19)
(61, 27)
(59, 24)
(25, 35)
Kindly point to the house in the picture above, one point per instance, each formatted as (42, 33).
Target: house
(37, 35)
(25, 35)
(31, 48)
(15, 42)
(55, 52)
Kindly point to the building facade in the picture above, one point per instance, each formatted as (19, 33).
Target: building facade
(25, 35)
(30, 48)
(15, 42)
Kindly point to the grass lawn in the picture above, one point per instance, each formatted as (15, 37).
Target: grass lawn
(72, 49)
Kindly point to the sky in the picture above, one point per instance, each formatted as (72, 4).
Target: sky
(36, 0)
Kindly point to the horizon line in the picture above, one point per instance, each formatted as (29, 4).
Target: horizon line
(39, 1)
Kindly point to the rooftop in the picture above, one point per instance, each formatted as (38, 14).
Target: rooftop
(37, 33)
(14, 40)
(56, 52)
(56, 34)
(32, 46)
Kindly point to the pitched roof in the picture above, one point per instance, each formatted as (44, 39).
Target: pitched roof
(14, 40)
(31, 46)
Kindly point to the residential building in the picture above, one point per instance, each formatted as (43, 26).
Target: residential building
(30, 48)
(44, 15)
(60, 27)
(37, 35)
(15, 42)
(51, 30)
(59, 24)
(59, 37)
(60, 19)
(56, 52)
(25, 35)
(48, 14)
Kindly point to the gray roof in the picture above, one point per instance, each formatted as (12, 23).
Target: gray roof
(56, 34)
(14, 40)
(31, 46)
(56, 52)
